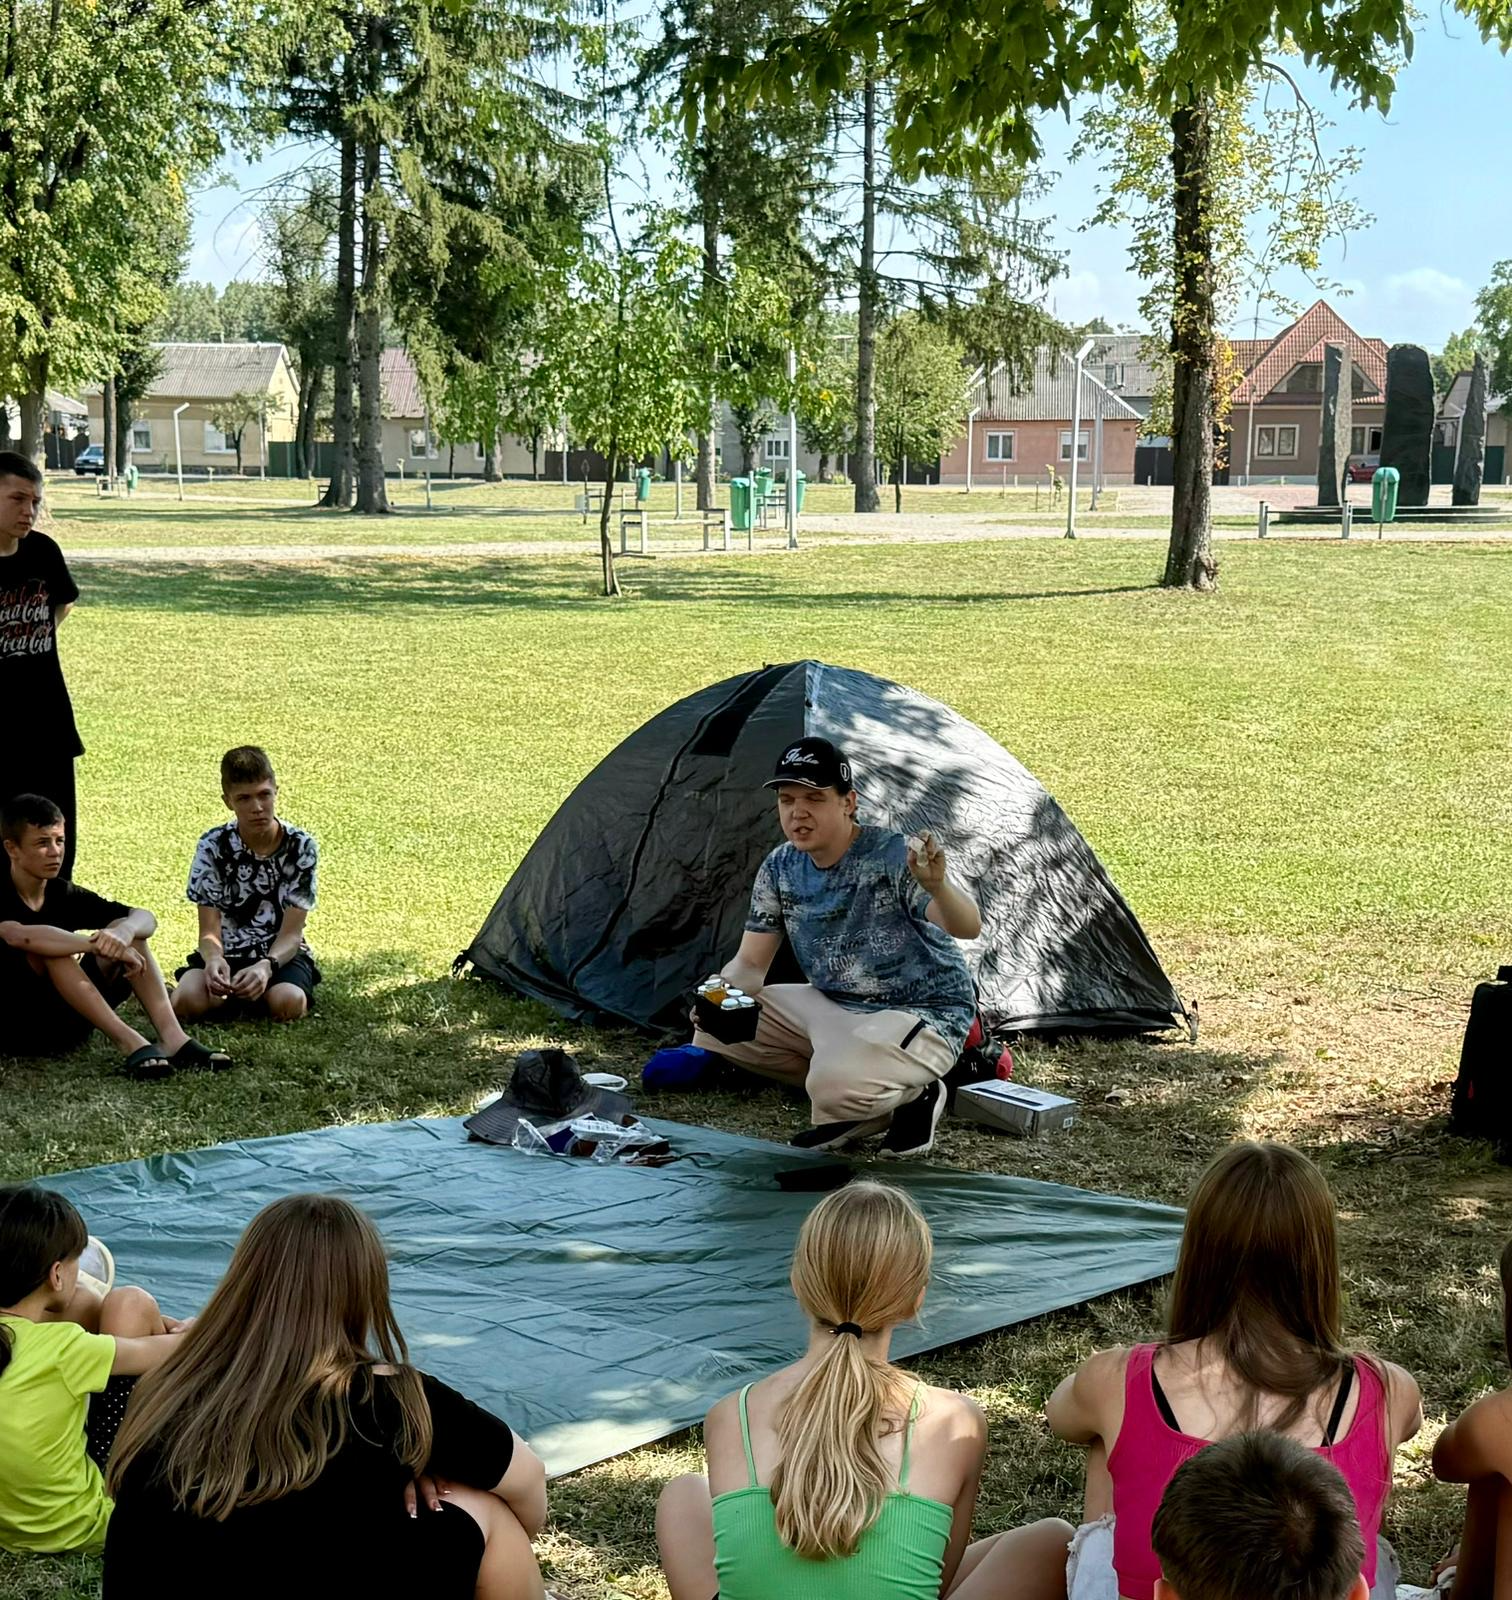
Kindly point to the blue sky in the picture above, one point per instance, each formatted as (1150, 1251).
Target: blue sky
(1436, 178)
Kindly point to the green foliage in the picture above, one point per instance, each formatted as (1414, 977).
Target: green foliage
(827, 404)
(198, 313)
(1274, 199)
(1493, 308)
(237, 412)
(921, 391)
(107, 111)
(1457, 356)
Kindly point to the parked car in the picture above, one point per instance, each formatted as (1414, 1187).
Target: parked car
(1362, 469)
(92, 460)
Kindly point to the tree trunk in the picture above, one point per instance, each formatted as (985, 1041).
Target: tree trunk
(897, 479)
(1190, 563)
(865, 471)
(747, 456)
(491, 472)
(305, 453)
(823, 467)
(535, 455)
(339, 490)
(451, 459)
(704, 467)
(123, 436)
(108, 427)
(34, 409)
(236, 443)
(372, 493)
(606, 549)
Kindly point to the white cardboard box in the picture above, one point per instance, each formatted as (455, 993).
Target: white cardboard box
(1015, 1108)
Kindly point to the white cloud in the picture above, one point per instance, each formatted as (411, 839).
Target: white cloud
(1427, 286)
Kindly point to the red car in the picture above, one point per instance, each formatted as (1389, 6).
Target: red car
(1362, 469)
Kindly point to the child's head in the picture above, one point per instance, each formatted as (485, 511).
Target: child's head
(254, 1401)
(1260, 1248)
(34, 833)
(42, 1237)
(248, 785)
(861, 1267)
(1256, 1516)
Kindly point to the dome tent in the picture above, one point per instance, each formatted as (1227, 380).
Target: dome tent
(638, 886)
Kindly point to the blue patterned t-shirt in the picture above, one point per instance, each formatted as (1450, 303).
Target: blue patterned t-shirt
(860, 932)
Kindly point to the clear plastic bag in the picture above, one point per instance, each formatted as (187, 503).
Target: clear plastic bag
(530, 1139)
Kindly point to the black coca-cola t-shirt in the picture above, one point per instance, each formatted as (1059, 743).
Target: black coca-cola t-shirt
(35, 585)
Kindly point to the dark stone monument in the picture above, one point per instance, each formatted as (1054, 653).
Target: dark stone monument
(1333, 441)
(1470, 463)
(1407, 435)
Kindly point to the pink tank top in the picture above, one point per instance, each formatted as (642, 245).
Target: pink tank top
(1149, 1451)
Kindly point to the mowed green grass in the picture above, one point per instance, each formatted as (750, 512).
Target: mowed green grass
(1299, 783)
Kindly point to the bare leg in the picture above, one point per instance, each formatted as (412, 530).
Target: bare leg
(508, 1570)
(1484, 1571)
(685, 1538)
(149, 988)
(192, 997)
(72, 983)
(1028, 1563)
(287, 1002)
(131, 1313)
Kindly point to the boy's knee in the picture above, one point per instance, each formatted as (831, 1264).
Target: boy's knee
(286, 1003)
(845, 1091)
(130, 1313)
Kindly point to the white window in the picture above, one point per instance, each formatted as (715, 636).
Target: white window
(1279, 443)
(1357, 441)
(1000, 447)
(141, 436)
(422, 443)
(777, 449)
(480, 455)
(1113, 375)
(1083, 444)
(215, 441)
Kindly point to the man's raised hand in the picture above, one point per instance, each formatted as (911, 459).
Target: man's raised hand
(926, 861)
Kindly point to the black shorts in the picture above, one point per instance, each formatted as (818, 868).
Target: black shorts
(39, 1021)
(107, 1411)
(299, 969)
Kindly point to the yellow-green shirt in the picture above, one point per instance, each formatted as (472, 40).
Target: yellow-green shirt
(52, 1496)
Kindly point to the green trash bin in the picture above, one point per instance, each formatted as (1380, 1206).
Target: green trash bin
(1383, 494)
(642, 485)
(800, 484)
(740, 505)
(763, 484)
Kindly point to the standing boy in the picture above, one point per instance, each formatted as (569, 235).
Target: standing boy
(253, 879)
(58, 985)
(36, 593)
(873, 920)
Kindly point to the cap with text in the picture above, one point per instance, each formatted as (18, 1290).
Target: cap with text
(815, 763)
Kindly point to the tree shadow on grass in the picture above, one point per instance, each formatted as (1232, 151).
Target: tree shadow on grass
(340, 585)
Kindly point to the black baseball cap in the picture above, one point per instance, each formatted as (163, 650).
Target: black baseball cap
(815, 763)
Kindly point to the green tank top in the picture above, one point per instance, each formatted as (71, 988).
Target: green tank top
(900, 1557)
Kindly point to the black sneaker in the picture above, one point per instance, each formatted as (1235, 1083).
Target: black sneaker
(831, 1135)
(913, 1125)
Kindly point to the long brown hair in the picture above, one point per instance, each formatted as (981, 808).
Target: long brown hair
(1257, 1279)
(254, 1402)
(863, 1259)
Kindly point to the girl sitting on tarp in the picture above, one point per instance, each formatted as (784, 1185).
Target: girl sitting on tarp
(1253, 1340)
(68, 1356)
(272, 1455)
(840, 1477)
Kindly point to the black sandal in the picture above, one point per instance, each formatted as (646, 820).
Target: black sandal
(148, 1062)
(192, 1056)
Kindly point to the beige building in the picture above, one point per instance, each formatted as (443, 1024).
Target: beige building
(407, 444)
(203, 379)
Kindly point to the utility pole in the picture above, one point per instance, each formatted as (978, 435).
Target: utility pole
(1081, 356)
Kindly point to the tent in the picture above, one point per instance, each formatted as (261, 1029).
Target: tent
(638, 886)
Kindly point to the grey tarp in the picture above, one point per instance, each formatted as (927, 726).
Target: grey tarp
(638, 886)
(595, 1307)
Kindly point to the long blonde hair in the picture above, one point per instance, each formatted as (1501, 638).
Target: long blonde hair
(863, 1259)
(254, 1402)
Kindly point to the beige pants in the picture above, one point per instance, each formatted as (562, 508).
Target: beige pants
(854, 1064)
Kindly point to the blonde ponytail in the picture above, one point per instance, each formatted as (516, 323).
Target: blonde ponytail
(862, 1263)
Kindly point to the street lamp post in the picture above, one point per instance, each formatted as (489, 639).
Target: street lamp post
(178, 450)
(1081, 356)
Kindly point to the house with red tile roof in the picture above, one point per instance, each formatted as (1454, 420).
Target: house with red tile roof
(1275, 421)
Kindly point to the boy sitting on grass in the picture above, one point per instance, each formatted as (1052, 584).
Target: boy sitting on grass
(57, 985)
(1254, 1517)
(253, 880)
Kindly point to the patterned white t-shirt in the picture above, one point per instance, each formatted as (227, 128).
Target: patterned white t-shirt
(250, 891)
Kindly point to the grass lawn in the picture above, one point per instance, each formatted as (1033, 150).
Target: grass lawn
(1300, 785)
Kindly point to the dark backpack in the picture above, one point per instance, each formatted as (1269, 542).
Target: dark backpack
(1481, 1106)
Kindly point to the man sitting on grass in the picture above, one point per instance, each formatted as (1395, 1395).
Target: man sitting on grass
(1254, 1517)
(873, 920)
(253, 880)
(58, 985)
